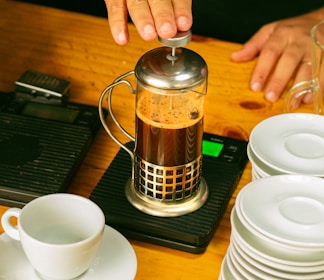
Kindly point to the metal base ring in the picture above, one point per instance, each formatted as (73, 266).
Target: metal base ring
(162, 209)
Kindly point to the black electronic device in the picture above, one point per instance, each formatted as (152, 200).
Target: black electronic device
(224, 160)
(43, 138)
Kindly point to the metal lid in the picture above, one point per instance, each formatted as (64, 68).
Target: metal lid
(172, 67)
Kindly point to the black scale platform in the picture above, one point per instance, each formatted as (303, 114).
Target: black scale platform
(191, 232)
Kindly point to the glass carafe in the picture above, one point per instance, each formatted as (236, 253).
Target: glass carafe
(171, 84)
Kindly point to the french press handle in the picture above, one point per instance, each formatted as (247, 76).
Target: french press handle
(108, 91)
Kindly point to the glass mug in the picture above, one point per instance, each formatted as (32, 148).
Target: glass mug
(314, 88)
(171, 84)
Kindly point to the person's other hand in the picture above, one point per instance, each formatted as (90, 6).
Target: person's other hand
(151, 18)
(284, 50)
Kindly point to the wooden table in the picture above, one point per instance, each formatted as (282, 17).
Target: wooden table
(80, 48)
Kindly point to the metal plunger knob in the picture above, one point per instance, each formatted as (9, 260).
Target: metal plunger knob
(181, 39)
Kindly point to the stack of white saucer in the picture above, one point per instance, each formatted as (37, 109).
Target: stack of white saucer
(277, 230)
(290, 143)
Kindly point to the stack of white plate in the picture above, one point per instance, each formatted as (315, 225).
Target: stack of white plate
(290, 143)
(277, 230)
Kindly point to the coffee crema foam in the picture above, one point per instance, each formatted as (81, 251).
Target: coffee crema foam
(159, 113)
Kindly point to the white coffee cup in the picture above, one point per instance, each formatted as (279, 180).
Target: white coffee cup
(60, 233)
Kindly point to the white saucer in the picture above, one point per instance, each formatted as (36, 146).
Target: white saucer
(275, 269)
(286, 208)
(116, 259)
(291, 143)
(260, 168)
(260, 250)
(225, 272)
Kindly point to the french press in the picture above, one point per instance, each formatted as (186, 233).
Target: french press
(171, 84)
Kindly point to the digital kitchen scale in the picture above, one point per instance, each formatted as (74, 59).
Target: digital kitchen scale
(224, 160)
(43, 138)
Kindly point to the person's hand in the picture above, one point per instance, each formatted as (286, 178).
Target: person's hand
(284, 49)
(151, 18)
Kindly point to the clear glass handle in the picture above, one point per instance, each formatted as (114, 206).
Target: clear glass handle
(296, 94)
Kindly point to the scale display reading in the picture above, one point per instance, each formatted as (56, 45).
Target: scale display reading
(210, 148)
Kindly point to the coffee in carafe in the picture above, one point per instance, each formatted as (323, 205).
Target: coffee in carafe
(165, 136)
(171, 84)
